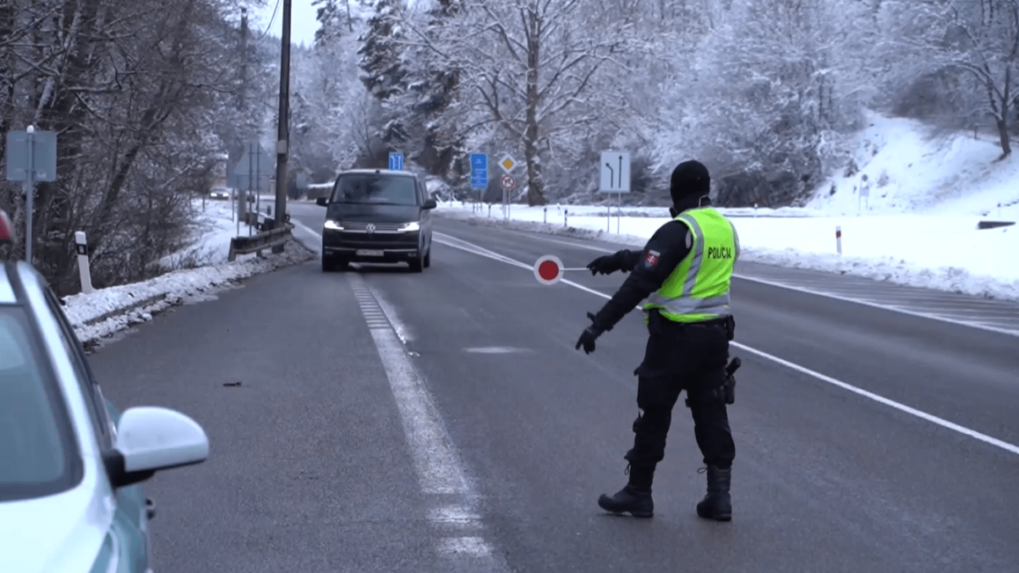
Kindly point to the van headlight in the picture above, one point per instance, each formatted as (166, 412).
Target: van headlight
(333, 225)
(410, 227)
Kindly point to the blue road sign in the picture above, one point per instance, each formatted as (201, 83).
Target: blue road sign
(396, 162)
(479, 171)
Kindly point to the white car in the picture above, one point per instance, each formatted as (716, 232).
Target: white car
(220, 193)
(71, 466)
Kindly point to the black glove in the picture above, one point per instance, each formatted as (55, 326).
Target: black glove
(606, 265)
(590, 334)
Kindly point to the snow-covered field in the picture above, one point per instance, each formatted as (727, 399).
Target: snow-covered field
(919, 228)
(104, 312)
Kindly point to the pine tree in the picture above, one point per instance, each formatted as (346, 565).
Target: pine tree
(381, 52)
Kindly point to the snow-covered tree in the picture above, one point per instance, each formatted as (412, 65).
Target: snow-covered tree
(978, 40)
(139, 93)
(525, 65)
(773, 96)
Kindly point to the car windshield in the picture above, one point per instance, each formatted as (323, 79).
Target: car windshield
(36, 452)
(376, 189)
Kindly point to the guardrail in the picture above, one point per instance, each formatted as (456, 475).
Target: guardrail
(994, 224)
(265, 239)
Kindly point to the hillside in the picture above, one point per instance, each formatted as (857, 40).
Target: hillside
(913, 170)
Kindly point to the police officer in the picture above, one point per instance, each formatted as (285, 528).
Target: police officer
(684, 274)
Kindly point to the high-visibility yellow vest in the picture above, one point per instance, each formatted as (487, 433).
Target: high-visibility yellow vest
(698, 288)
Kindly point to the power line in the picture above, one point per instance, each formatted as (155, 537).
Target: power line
(271, 19)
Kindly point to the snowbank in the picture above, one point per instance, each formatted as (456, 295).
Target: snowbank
(104, 312)
(945, 253)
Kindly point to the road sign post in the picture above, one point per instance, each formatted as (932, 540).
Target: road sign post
(614, 170)
(396, 162)
(252, 172)
(507, 188)
(31, 157)
(507, 164)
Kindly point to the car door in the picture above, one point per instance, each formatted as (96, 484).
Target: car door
(131, 521)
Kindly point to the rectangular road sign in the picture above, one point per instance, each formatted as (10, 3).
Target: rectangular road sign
(396, 162)
(614, 168)
(253, 170)
(479, 171)
(44, 156)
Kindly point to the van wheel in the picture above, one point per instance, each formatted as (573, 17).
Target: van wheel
(416, 265)
(428, 259)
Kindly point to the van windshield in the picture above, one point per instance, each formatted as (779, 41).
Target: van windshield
(375, 189)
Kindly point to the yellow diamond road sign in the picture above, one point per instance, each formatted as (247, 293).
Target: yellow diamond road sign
(507, 164)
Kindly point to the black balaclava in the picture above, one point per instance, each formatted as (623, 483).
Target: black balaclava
(690, 186)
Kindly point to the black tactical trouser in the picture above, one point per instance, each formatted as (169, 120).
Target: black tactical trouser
(679, 357)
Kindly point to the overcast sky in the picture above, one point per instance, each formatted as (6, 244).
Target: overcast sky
(303, 24)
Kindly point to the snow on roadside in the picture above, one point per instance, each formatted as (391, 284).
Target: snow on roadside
(943, 253)
(214, 226)
(104, 312)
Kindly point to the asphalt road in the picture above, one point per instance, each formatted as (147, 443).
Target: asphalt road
(443, 421)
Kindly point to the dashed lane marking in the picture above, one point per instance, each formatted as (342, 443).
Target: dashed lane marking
(453, 513)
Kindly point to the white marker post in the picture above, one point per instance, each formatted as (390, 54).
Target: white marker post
(838, 238)
(83, 269)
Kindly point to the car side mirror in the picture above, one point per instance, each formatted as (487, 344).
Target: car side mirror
(429, 204)
(151, 439)
(322, 201)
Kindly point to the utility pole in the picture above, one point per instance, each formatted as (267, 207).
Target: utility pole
(244, 61)
(283, 137)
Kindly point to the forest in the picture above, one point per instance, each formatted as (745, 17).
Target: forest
(148, 98)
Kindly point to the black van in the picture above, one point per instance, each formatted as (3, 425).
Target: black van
(377, 216)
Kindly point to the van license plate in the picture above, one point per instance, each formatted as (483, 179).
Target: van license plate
(369, 253)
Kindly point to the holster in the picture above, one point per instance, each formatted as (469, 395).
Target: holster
(727, 391)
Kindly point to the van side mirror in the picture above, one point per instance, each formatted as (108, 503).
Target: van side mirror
(322, 201)
(429, 204)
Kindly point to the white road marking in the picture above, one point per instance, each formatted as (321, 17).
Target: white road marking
(495, 350)
(882, 306)
(832, 295)
(471, 546)
(803, 370)
(454, 515)
(435, 461)
(306, 229)
(401, 329)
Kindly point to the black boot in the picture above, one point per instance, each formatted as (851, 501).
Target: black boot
(635, 498)
(717, 504)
